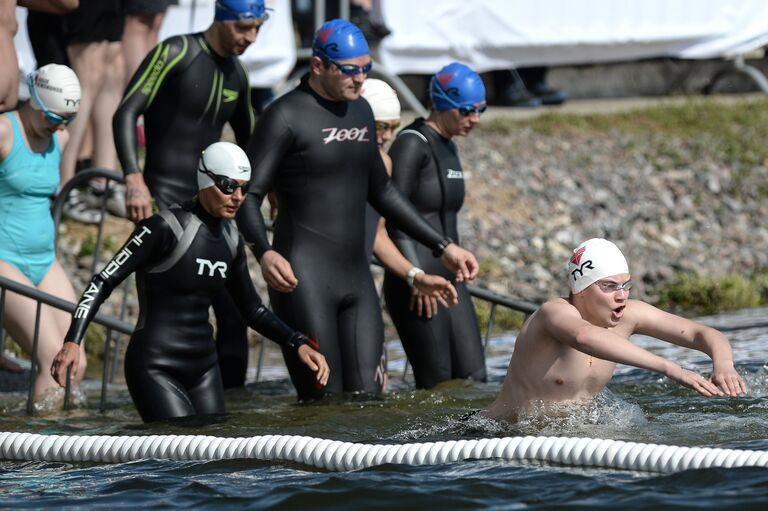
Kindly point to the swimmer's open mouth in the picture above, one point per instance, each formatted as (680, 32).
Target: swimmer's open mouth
(619, 310)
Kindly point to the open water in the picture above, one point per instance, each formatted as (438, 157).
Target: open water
(638, 406)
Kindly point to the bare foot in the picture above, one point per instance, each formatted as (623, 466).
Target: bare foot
(10, 366)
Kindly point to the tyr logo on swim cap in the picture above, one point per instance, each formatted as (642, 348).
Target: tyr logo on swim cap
(223, 159)
(338, 40)
(233, 10)
(595, 259)
(456, 86)
(55, 88)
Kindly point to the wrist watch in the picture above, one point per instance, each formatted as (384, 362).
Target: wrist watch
(412, 275)
(438, 251)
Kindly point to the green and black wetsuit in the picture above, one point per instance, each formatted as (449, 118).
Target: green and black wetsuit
(187, 93)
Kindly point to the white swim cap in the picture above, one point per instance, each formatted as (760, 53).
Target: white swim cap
(382, 98)
(57, 87)
(593, 260)
(223, 159)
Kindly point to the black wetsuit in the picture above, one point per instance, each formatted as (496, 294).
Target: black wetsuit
(426, 168)
(321, 159)
(182, 257)
(187, 93)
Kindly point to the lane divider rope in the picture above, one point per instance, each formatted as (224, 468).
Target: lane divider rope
(341, 456)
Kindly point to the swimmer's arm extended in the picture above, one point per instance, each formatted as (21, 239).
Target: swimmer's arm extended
(564, 324)
(683, 332)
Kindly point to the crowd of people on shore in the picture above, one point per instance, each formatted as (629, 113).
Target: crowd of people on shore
(347, 187)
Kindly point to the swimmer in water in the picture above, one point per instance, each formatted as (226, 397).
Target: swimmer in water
(567, 350)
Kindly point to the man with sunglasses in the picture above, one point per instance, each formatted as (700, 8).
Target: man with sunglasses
(567, 351)
(426, 168)
(183, 257)
(188, 88)
(316, 147)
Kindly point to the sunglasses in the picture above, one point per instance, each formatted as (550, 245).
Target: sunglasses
(346, 69)
(386, 126)
(226, 185)
(465, 111)
(612, 287)
(53, 118)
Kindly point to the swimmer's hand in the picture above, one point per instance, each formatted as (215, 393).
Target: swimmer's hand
(315, 361)
(138, 200)
(277, 272)
(728, 380)
(68, 355)
(428, 290)
(460, 261)
(693, 381)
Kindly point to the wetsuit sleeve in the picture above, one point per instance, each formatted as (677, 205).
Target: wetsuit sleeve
(392, 204)
(150, 241)
(243, 119)
(269, 143)
(254, 312)
(162, 62)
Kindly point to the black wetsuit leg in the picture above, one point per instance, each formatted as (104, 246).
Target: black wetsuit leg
(339, 308)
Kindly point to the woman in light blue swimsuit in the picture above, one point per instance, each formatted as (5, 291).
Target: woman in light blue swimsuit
(32, 139)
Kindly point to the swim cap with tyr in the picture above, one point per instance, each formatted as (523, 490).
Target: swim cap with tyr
(223, 159)
(595, 259)
(55, 88)
(339, 40)
(233, 10)
(456, 86)
(382, 98)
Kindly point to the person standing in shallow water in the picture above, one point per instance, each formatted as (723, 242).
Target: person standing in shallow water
(184, 256)
(567, 351)
(427, 170)
(315, 147)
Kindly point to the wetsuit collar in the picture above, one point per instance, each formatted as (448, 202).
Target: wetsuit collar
(213, 223)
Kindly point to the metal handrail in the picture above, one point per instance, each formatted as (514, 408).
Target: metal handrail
(54, 301)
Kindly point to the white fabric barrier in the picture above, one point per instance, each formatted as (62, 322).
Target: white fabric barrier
(494, 34)
(337, 455)
(269, 60)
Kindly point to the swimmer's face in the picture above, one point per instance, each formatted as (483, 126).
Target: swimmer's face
(385, 130)
(338, 85)
(221, 205)
(604, 302)
(460, 124)
(237, 36)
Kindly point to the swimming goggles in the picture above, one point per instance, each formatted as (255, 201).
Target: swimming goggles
(612, 287)
(51, 117)
(226, 185)
(260, 14)
(465, 111)
(346, 69)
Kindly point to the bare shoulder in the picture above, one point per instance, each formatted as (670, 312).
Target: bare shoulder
(557, 307)
(6, 136)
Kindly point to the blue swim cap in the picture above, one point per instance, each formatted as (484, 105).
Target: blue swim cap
(233, 10)
(338, 40)
(456, 86)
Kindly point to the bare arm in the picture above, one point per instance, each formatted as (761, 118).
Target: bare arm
(564, 323)
(689, 334)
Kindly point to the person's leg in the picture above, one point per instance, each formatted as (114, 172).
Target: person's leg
(9, 64)
(208, 393)
(426, 341)
(87, 61)
(105, 104)
(231, 340)
(57, 283)
(19, 321)
(467, 353)
(361, 338)
(141, 34)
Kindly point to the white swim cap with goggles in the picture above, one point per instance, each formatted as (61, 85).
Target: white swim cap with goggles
(220, 164)
(54, 89)
(382, 98)
(595, 259)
